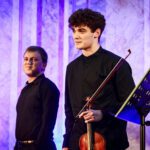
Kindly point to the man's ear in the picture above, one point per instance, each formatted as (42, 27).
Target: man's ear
(44, 66)
(97, 33)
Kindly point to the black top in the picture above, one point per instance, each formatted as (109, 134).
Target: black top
(37, 111)
(83, 77)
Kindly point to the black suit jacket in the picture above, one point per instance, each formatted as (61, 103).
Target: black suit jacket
(83, 77)
(37, 111)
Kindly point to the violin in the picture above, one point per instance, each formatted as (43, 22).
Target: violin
(92, 140)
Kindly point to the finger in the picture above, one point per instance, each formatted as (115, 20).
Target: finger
(89, 114)
(89, 120)
(87, 117)
(83, 114)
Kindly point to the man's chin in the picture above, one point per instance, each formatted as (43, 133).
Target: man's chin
(78, 47)
(29, 74)
(33, 74)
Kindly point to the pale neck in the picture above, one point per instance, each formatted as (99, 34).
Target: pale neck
(31, 79)
(90, 51)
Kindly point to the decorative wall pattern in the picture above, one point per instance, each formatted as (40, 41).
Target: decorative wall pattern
(44, 22)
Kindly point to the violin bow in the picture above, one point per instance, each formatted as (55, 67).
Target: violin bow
(102, 85)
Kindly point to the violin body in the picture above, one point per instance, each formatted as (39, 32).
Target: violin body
(98, 143)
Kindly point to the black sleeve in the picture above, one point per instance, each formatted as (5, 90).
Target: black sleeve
(50, 101)
(69, 121)
(124, 81)
(123, 84)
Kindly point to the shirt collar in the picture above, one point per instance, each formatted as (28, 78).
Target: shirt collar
(36, 80)
(97, 53)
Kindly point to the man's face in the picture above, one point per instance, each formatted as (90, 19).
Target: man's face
(33, 64)
(83, 37)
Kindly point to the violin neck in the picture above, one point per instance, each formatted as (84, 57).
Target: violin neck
(90, 136)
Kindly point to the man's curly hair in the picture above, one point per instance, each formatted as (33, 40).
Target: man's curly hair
(87, 17)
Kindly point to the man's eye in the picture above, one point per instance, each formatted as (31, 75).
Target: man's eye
(25, 59)
(82, 31)
(35, 59)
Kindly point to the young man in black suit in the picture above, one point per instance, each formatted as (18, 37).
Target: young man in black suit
(83, 77)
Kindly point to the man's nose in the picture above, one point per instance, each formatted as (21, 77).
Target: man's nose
(76, 35)
(30, 62)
